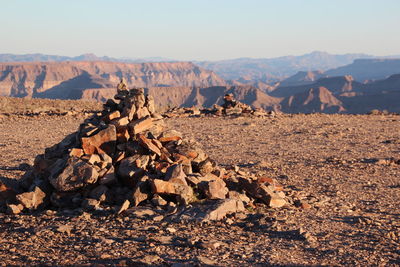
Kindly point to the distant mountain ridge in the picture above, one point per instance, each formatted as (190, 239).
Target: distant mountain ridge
(68, 80)
(270, 69)
(84, 57)
(358, 87)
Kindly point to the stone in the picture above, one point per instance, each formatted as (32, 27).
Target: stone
(239, 196)
(112, 115)
(103, 141)
(171, 133)
(212, 210)
(205, 167)
(157, 128)
(169, 139)
(142, 113)
(124, 206)
(157, 200)
(139, 126)
(76, 152)
(142, 191)
(175, 174)
(214, 189)
(32, 200)
(147, 143)
(233, 111)
(184, 192)
(150, 104)
(14, 209)
(129, 112)
(94, 159)
(139, 100)
(270, 181)
(275, 201)
(121, 122)
(262, 192)
(129, 171)
(77, 174)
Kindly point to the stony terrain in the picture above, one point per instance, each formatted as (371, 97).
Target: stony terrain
(346, 167)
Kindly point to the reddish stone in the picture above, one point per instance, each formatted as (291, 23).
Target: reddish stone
(76, 152)
(103, 141)
(157, 143)
(147, 143)
(192, 154)
(271, 181)
(139, 126)
(162, 166)
(184, 192)
(169, 139)
(124, 121)
(142, 113)
(111, 116)
(122, 134)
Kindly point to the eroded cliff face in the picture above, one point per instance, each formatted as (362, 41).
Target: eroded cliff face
(58, 80)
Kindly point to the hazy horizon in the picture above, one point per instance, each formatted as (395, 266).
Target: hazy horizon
(198, 31)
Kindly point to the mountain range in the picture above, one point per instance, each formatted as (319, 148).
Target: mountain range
(84, 57)
(358, 87)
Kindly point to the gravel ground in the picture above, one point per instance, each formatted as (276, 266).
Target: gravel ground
(347, 168)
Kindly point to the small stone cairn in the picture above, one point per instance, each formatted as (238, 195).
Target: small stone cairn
(230, 107)
(123, 157)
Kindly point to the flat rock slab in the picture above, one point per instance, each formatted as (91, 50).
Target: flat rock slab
(213, 210)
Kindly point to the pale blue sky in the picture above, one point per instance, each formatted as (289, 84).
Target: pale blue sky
(201, 29)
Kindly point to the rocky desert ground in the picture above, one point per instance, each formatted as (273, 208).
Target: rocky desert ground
(345, 168)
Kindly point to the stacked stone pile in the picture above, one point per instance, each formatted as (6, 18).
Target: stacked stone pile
(230, 107)
(124, 157)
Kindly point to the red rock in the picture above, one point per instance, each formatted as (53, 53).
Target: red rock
(33, 199)
(76, 152)
(142, 191)
(276, 201)
(142, 113)
(122, 134)
(184, 192)
(124, 121)
(215, 189)
(147, 143)
(163, 187)
(175, 174)
(179, 158)
(192, 154)
(157, 143)
(14, 209)
(111, 116)
(169, 139)
(139, 126)
(162, 166)
(270, 181)
(103, 141)
(94, 159)
(76, 174)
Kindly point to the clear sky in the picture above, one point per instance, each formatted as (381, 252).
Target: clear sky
(199, 29)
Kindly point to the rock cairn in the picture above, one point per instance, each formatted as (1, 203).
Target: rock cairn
(230, 107)
(124, 157)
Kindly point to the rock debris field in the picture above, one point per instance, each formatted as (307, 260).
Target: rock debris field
(198, 190)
